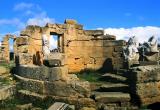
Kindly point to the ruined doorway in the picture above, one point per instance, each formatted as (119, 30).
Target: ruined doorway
(11, 49)
(56, 42)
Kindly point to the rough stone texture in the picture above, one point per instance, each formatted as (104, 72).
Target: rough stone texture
(84, 49)
(145, 84)
(23, 59)
(55, 59)
(4, 48)
(112, 97)
(87, 108)
(142, 74)
(56, 88)
(43, 73)
(6, 91)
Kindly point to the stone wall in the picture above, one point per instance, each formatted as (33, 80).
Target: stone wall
(145, 84)
(84, 49)
(5, 49)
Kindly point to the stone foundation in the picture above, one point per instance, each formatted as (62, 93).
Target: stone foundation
(145, 84)
(53, 81)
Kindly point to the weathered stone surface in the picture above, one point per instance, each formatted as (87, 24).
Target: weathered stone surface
(21, 41)
(145, 84)
(73, 41)
(43, 73)
(6, 91)
(24, 58)
(146, 90)
(142, 74)
(58, 106)
(22, 49)
(87, 108)
(94, 32)
(56, 88)
(24, 106)
(114, 43)
(70, 21)
(55, 59)
(114, 87)
(72, 89)
(112, 97)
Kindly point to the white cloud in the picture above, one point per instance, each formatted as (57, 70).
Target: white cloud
(53, 42)
(142, 33)
(40, 21)
(23, 6)
(14, 22)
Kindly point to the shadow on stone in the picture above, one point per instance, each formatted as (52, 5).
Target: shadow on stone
(107, 66)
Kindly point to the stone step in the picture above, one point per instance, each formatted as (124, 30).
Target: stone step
(111, 97)
(119, 87)
(110, 77)
(31, 94)
(59, 106)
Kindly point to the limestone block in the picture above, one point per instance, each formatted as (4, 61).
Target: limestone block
(118, 48)
(21, 40)
(117, 54)
(94, 32)
(24, 58)
(70, 21)
(112, 97)
(75, 60)
(22, 49)
(32, 85)
(75, 68)
(146, 90)
(43, 73)
(143, 74)
(149, 100)
(109, 43)
(107, 51)
(69, 89)
(87, 108)
(79, 27)
(97, 51)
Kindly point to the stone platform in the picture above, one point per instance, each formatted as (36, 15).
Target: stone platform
(144, 84)
(53, 81)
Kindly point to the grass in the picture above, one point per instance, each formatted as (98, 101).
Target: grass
(9, 65)
(10, 103)
(89, 75)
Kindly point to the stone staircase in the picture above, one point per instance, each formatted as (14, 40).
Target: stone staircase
(114, 92)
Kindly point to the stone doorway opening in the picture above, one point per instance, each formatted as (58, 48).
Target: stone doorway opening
(56, 42)
(11, 49)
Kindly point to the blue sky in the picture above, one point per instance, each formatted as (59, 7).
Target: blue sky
(128, 16)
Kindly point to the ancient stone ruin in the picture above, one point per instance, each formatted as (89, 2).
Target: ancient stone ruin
(126, 69)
